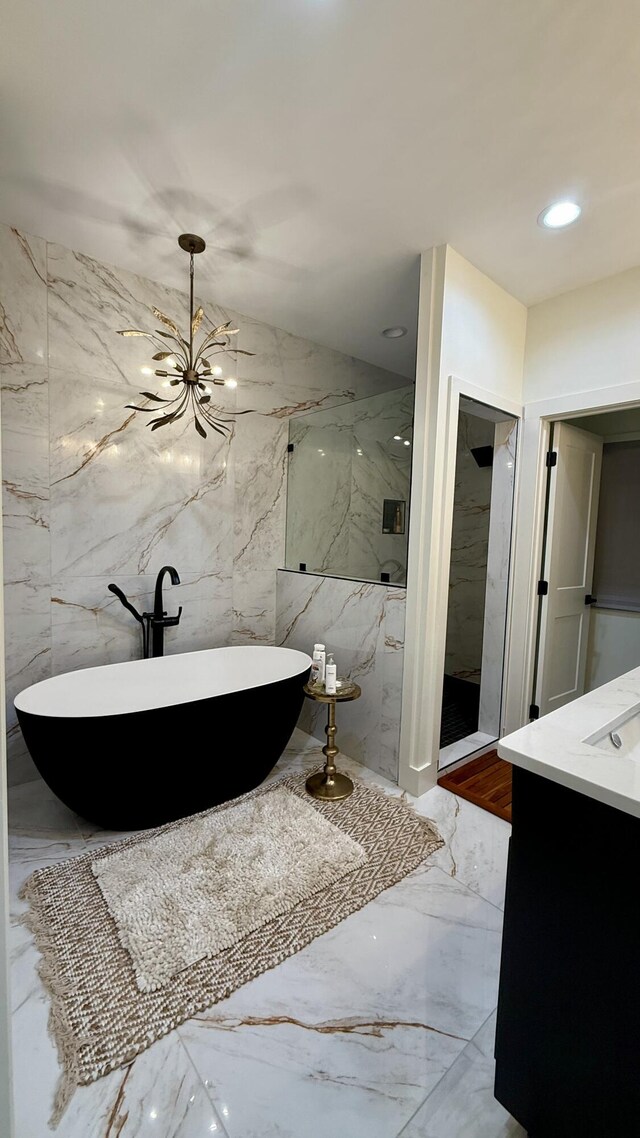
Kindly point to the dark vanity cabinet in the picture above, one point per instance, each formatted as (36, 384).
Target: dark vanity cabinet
(568, 1030)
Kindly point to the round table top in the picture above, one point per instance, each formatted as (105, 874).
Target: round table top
(346, 690)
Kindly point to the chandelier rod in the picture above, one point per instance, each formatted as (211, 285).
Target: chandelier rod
(191, 311)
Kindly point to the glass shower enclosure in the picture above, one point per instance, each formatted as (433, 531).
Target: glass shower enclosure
(348, 488)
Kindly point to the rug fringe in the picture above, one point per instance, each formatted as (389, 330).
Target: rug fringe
(59, 1027)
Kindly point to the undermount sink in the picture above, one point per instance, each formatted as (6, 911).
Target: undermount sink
(621, 736)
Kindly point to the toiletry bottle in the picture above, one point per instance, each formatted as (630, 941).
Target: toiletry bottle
(318, 664)
(330, 673)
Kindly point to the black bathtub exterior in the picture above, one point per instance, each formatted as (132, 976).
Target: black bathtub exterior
(141, 769)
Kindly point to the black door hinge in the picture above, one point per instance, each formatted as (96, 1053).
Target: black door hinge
(290, 447)
(543, 588)
(534, 711)
(552, 457)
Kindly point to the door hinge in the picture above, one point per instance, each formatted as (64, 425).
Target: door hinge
(534, 711)
(552, 457)
(543, 588)
(290, 447)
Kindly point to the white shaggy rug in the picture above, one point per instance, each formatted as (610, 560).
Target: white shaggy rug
(193, 891)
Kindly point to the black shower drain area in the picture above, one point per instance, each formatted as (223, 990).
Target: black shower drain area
(460, 704)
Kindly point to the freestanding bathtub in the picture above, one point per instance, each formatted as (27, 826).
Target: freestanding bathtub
(137, 744)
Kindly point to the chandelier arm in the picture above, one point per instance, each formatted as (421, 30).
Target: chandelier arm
(214, 421)
(182, 347)
(204, 347)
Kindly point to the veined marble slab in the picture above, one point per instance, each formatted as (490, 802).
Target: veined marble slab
(92, 496)
(469, 550)
(23, 298)
(344, 464)
(556, 746)
(363, 624)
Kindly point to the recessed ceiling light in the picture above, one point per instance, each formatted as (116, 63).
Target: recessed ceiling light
(560, 214)
(394, 333)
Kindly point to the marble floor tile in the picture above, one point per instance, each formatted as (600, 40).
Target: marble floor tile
(352, 1036)
(476, 843)
(463, 1105)
(159, 1095)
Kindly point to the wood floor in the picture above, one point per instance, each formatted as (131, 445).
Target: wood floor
(485, 781)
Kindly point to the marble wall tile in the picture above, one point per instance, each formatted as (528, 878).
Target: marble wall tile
(319, 494)
(344, 464)
(26, 525)
(498, 563)
(89, 301)
(92, 496)
(25, 506)
(287, 373)
(254, 606)
(25, 398)
(469, 548)
(28, 660)
(124, 500)
(260, 450)
(23, 298)
(363, 624)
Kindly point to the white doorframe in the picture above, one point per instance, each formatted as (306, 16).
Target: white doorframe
(6, 1110)
(533, 446)
(429, 554)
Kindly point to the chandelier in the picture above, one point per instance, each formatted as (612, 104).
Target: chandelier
(189, 367)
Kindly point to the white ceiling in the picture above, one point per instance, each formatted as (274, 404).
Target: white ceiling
(319, 145)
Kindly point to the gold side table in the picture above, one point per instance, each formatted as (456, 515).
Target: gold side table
(329, 784)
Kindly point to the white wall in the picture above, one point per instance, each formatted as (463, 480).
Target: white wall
(614, 646)
(483, 331)
(582, 353)
(471, 337)
(586, 339)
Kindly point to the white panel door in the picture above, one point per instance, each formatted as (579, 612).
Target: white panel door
(571, 535)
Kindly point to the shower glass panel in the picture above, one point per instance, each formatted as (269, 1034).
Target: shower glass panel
(348, 488)
(478, 580)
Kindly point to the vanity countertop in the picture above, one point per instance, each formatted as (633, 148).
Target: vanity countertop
(556, 746)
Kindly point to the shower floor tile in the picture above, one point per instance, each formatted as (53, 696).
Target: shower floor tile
(375, 1024)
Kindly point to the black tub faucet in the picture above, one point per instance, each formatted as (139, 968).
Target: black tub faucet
(153, 623)
(160, 620)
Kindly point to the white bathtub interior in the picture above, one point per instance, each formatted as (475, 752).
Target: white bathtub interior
(144, 685)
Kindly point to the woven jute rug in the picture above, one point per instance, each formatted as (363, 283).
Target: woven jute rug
(94, 963)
